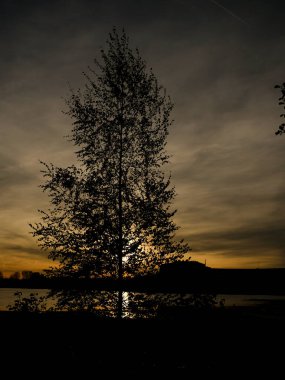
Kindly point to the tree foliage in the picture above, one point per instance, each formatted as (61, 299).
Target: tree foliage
(111, 215)
(281, 128)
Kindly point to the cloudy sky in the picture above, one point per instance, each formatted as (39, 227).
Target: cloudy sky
(219, 61)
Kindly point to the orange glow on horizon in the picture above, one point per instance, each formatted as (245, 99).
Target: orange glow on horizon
(231, 262)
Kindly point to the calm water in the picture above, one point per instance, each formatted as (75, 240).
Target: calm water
(7, 297)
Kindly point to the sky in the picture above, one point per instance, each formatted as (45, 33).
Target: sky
(218, 60)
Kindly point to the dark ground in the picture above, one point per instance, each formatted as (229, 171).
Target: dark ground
(224, 343)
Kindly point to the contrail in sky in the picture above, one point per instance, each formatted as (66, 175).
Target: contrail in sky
(228, 11)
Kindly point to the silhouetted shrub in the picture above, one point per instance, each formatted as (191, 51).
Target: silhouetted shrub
(33, 303)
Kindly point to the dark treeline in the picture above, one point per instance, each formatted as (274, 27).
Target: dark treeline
(255, 281)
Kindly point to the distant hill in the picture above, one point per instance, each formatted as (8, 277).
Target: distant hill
(197, 276)
(183, 268)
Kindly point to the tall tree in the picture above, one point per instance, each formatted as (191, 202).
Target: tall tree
(281, 128)
(111, 215)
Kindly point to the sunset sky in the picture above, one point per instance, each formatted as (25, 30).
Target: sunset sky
(218, 60)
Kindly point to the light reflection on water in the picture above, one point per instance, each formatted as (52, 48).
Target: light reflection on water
(7, 297)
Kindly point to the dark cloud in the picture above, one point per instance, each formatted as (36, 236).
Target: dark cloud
(19, 250)
(246, 239)
(12, 173)
(219, 63)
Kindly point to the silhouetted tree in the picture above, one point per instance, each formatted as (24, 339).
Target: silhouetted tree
(27, 274)
(281, 128)
(111, 215)
(15, 276)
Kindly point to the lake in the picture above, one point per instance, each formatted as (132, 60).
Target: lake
(7, 297)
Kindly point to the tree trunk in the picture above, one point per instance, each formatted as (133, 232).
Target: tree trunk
(120, 305)
(120, 243)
